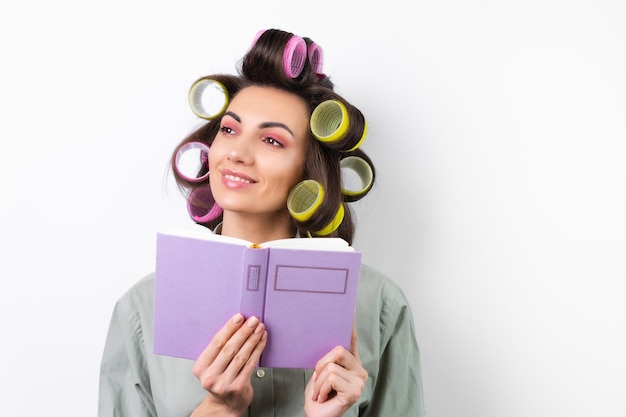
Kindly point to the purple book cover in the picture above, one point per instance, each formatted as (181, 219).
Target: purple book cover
(305, 297)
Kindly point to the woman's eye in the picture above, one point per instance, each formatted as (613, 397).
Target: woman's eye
(226, 130)
(272, 141)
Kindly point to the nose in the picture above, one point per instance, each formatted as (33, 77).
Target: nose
(240, 151)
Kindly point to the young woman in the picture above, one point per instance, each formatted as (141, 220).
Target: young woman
(281, 127)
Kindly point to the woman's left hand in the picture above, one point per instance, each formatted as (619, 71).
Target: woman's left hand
(337, 382)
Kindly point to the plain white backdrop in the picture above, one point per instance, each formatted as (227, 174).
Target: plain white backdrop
(498, 130)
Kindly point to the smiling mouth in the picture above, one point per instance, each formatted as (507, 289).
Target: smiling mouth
(238, 179)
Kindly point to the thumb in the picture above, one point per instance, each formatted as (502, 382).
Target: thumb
(354, 348)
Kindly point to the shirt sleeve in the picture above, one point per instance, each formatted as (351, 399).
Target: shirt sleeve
(398, 387)
(124, 383)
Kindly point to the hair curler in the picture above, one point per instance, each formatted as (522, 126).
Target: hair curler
(256, 37)
(304, 199)
(186, 161)
(316, 57)
(208, 98)
(334, 223)
(201, 205)
(360, 142)
(359, 166)
(294, 56)
(330, 121)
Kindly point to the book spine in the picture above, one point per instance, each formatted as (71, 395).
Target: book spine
(254, 282)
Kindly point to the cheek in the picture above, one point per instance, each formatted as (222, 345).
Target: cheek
(216, 153)
(291, 172)
(214, 159)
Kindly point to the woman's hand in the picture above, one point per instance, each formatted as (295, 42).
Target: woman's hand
(337, 382)
(225, 366)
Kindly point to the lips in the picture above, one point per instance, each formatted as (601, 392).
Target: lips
(236, 177)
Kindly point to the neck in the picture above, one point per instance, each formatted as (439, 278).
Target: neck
(257, 228)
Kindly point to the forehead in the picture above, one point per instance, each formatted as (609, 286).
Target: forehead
(271, 102)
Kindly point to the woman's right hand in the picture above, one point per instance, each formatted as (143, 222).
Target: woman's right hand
(225, 366)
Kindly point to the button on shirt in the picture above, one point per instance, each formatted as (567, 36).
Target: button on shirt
(134, 382)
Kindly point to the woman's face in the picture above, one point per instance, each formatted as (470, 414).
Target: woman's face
(258, 154)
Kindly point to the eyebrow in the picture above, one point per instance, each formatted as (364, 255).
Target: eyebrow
(262, 125)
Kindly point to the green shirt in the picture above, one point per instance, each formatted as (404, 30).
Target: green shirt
(134, 382)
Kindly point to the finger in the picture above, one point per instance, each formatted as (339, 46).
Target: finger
(339, 362)
(354, 343)
(335, 380)
(332, 378)
(226, 342)
(254, 356)
(251, 329)
(217, 342)
(334, 359)
(340, 356)
(247, 356)
(234, 357)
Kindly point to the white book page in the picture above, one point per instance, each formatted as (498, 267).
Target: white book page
(318, 243)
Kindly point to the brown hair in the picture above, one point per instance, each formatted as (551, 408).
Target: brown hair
(263, 65)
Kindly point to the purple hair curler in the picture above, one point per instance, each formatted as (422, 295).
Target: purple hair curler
(201, 205)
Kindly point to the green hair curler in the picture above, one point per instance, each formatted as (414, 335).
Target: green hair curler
(350, 185)
(208, 98)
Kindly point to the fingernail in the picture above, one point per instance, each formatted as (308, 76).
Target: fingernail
(252, 322)
(238, 318)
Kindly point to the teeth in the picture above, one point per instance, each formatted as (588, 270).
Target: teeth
(238, 179)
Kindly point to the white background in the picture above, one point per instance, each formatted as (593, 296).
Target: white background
(497, 128)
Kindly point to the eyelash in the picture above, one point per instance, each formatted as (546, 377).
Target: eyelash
(273, 142)
(226, 130)
(268, 139)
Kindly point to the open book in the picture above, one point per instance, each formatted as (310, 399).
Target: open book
(303, 289)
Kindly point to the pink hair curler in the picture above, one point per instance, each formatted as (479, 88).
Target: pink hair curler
(316, 57)
(187, 158)
(201, 205)
(294, 56)
(256, 37)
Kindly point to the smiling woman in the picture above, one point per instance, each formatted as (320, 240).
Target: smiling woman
(256, 158)
(271, 157)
